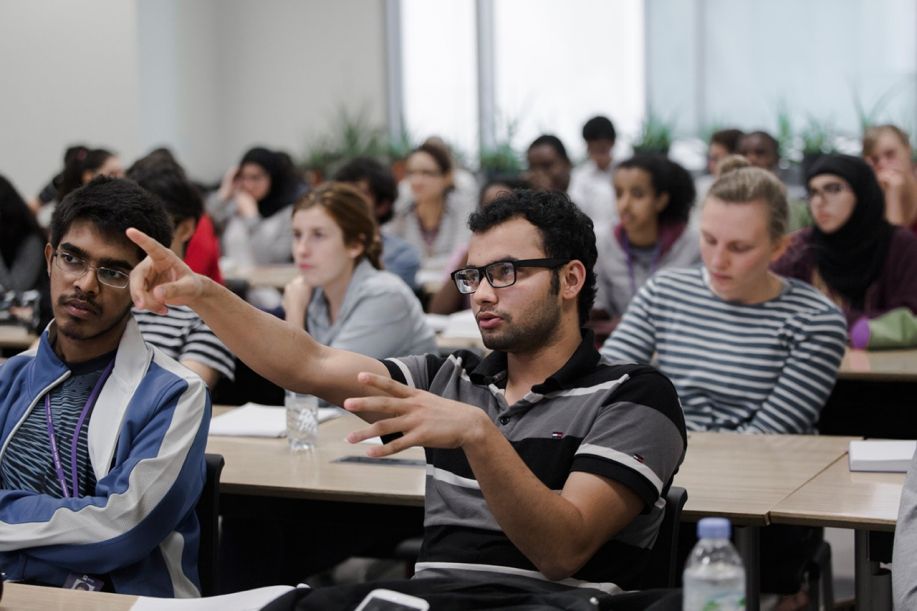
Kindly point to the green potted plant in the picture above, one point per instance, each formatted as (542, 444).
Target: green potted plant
(655, 136)
(817, 139)
(502, 158)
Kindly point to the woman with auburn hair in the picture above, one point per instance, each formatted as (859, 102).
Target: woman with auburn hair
(342, 296)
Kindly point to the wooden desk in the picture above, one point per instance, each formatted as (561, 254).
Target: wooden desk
(16, 337)
(879, 366)
(273, 276)
(865, 502)
(266, 468)
(20, 597)
(742, 477)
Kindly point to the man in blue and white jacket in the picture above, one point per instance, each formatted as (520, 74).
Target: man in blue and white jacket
(102, 437)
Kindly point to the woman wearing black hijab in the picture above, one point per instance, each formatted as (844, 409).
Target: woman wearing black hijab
(854, 256)
(254, 206)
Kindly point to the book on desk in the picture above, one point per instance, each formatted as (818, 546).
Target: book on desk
(882, 455)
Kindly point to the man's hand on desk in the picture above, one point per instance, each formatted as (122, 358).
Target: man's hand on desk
(423, 418)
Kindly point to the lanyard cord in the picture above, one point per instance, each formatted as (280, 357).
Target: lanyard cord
(74, 441)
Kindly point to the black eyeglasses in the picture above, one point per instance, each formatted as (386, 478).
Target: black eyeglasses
(76, 267)
(500, 274)
(829, 191)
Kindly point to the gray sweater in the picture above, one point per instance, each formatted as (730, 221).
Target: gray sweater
(904, 574)
(380, 317)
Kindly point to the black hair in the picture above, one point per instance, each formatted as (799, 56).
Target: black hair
(566, 232)
(112, 205)
(770, 140)
(380, 179)
(16, 221)
(552, 141)
(163, 177)
(512, 181)
(727, 138)
(285, 184)
(77, 161)
(599, 128)
(667, 176)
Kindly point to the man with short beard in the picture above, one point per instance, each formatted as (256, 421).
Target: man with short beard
(546, 465)
(101, 436)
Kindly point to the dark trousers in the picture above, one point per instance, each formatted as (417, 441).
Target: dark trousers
(445, 594)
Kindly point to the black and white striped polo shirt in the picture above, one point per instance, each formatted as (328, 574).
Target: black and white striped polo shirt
(622, 422)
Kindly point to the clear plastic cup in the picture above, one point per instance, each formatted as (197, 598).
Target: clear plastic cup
(302, 420)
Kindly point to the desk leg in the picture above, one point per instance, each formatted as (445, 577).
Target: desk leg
(749, 542)
(873, 586)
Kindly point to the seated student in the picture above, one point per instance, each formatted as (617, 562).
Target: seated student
(50, 192)
(180, 333)
(202, 251)
(532, 482)
(654, 197)
(887, 149)
(549, 165)
(746, 349)
(854, 256)
(342, 295)
(904, 577)
(81, 165)
(590, 183)
(723, 142)
(377, 183)
(434, 220)
(102, 436)
(763, 151)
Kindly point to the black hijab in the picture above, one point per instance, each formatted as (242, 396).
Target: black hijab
(285, 187)
(851, 258)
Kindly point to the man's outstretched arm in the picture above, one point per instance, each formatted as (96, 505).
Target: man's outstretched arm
(282, 353)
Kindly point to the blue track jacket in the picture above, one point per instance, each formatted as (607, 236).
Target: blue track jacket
(146, 437)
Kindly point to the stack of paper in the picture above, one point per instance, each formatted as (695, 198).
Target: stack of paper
(255, 420)
(881, 455)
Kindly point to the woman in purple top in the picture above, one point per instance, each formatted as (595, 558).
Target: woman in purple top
(854, 256)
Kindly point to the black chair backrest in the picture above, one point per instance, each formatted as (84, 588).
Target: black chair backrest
(660, 572)
(208, 516)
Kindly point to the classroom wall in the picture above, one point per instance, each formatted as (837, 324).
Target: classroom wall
(65, 79)
(208, 78)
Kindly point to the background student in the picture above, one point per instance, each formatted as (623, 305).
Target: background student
(887, 150)
(549, 165)
(343, 297)
(590, 182)
(860, 261)
(746, 349)
(377, 183)
(434, 220)
(180, 333)
(654, 197)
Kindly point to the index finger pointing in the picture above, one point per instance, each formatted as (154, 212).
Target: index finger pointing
(154, 249)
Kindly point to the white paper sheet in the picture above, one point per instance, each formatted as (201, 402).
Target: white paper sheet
(255, 420)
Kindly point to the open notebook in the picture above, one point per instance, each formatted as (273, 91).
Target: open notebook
(256, 420)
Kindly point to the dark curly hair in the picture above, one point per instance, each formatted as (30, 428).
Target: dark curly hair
(566, 232)
(112, 205)
(667, 176)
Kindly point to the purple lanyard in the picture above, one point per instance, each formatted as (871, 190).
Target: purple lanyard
(52, 438)
(630, 263)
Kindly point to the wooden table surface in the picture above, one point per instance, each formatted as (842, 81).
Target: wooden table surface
(742, 477)
(879, 365)
(14, 336)
(844, 499)
(266, 467)
(20, 597)
(275, 276)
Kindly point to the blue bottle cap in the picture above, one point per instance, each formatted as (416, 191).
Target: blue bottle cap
(714, 528)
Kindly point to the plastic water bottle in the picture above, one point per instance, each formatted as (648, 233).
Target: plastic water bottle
(714, 578)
